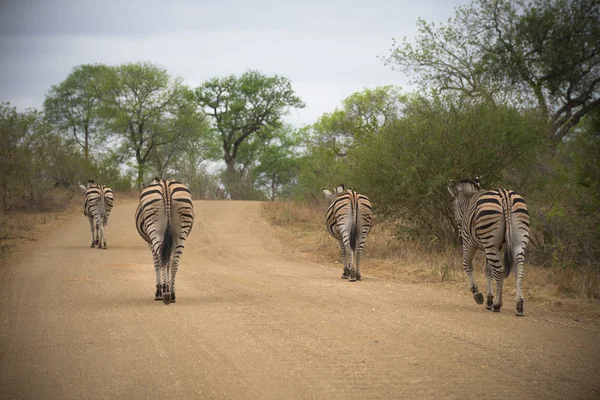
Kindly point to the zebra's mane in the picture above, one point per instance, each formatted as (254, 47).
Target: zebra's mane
(468, 185)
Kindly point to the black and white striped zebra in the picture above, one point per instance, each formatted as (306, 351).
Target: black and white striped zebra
(496, 221)
(349, 219)
(97, 204)
(164, 219)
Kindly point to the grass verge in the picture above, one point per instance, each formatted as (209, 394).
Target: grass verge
(571, 290)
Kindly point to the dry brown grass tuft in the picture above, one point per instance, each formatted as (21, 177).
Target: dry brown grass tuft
(386, 256)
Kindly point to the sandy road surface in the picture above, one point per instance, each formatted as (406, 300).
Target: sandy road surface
(251, 322)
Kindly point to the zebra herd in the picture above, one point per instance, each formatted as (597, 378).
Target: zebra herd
(164, 218)
(495, 221)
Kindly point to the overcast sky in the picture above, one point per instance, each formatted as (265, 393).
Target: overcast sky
(328, 49)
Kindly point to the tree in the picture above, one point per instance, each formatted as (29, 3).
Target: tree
(73, 104)
(251, 105)
(193, 143)
(363, 114)
(34, 160)
(278, 163)
(148, 109)
(544, 53)
(405, 170)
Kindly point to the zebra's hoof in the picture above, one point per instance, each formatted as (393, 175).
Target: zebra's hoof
(344, 276)
(359, 277)
(490, 301)
(92, 246)
(478, 297)
(496, 307)
(167, 298)
(519, 312)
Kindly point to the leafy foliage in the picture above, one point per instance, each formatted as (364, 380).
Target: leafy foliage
(34, 159)
(73, 105)
(149, 110)
(252, 104)
(543, 54)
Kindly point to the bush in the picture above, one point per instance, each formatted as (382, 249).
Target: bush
(406, 167)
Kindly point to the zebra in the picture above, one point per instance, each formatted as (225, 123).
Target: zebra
(164, 219)
(97, 204)
(349, 219)
(496, 221)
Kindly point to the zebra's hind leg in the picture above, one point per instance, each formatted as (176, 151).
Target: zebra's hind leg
(158, 295)
(346, 272)
(357, 262)
(91, 221)
(166, 293)
(100, 237)
(359, 249)
(174, 269)
(520, 260)
(166, 286)
(468, 253)
(104, 237)
(488, 285)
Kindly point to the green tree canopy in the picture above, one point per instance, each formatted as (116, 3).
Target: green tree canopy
(242, 107)
(362, 114)
(148, 109)
(543, 53)
(72, 106)
(278, 163)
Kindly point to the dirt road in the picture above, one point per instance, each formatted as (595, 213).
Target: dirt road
(252, 322)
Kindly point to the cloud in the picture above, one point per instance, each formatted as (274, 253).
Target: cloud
(326, 49)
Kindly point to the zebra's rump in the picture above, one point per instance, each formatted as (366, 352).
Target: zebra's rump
(164, 205)
(495, 216)
(98, 202)
(349, 210)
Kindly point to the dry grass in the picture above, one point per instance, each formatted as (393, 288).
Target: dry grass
(386, 256)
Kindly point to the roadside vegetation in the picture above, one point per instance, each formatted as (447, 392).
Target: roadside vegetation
(507, 90)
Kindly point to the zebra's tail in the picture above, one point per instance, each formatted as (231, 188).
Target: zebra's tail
(103, 215)
(165, 257)
(508, 253)
(167, 245)
(353, 232)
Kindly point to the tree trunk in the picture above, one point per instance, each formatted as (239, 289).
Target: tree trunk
(231, 179)
(140, 176)
(273, 187)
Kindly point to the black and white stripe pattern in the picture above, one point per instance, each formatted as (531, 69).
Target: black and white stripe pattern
(97, 204)
(496, 221)
(349, 219)
(164, 219)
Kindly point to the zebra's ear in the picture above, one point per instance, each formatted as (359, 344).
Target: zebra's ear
(476, 181)
(452, 188)
(83, 188)
(327, 193)
(340, 189)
